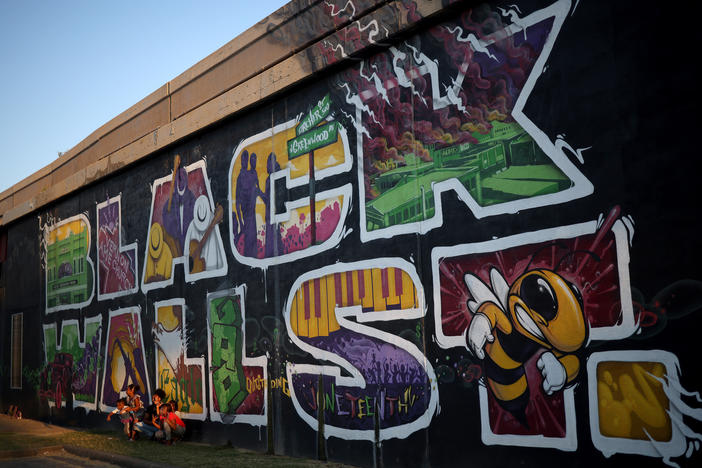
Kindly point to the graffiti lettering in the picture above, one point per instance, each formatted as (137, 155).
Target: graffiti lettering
(181, 377)
(455, 138)
(317, 318)
(636, 405)
(183, 228)
(281, 383)
(260, 235)
(117, 264)
(475, 281)
(77, 375)
(69, 270)
(237, 382)
(125, 362)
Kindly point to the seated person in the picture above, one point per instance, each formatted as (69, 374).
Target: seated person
(172, 426)
(135, 407)
(152, 420)
(125, 416)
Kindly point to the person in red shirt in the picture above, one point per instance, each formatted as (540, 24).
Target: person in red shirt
(171, 424)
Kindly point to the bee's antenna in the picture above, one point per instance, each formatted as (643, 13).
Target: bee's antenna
(538, 251)
(570, 254)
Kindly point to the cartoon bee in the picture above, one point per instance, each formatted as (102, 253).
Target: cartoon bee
(510, 324)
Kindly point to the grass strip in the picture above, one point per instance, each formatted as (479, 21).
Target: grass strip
(185, 454)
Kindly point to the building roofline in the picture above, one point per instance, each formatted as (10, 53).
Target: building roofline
(277, 54)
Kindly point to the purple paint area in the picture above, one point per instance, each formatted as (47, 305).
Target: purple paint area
(85, 369)
(108, 216)
(354, 408)
(124, 345)
(379, 362)
(514, 62)
(396, 383)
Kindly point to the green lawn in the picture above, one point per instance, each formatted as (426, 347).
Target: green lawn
(180, 454)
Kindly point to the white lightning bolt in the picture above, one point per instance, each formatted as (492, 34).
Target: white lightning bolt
(359, 126)
(402, 79)
(331, 5)
(374, 32)
(431, 67)
(356, 101)
(454, 99)
(513, 15)
(474, 42)
(336, 47)
(377, 82)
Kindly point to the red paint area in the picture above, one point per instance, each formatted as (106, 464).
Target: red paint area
(299, 236)
(255, 401)
(598, 281)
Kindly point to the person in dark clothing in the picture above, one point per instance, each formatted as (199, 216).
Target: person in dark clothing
(152, 420)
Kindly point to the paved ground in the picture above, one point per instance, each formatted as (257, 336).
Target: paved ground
(29, 426)
(42, 457)
(57, 458)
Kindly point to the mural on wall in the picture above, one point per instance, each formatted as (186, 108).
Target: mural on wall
(527, 331)
(272, 221)
(237, 382)
(326, 314)
(636, 405)
(125, 362)
(68, 268)
(526, 306)
(181, 377)
(117, 263)
(443, 112)
(72, 364)
(183, 228)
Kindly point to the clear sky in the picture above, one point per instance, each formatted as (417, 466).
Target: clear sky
(67, 67)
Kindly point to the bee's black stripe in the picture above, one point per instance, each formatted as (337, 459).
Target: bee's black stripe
(517, 346)
(500, 375)
(517, 406)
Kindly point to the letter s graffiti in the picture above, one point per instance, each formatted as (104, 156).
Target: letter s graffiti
(385, 377)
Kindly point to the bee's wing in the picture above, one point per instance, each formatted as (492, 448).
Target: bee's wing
(500, 287)
(480, 293)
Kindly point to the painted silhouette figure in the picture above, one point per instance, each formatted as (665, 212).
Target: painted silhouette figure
(247, 190)
(273, 239)
(178, 213)
(237, 219)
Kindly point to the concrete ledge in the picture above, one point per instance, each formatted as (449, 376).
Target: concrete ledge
(279, 54)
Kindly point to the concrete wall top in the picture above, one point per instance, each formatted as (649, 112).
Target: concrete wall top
(276, 53)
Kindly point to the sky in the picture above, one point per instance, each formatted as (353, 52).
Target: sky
(69, 66)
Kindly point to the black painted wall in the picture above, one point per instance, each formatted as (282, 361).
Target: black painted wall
(619, 79)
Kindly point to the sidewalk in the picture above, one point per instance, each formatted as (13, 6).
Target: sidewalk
(35, 443)
(22, 439)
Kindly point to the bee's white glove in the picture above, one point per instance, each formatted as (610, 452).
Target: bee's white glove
(479, 332)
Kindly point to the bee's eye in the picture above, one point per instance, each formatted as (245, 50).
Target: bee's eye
(539, 297)
(577, 294)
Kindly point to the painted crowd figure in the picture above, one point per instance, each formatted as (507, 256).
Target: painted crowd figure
(273, 239)
(247, 190)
